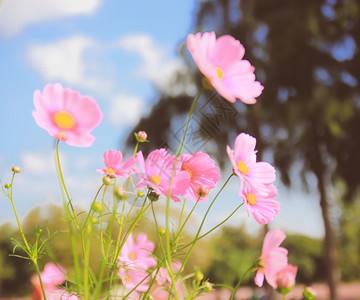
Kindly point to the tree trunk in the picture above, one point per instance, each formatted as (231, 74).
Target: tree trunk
(329, 243)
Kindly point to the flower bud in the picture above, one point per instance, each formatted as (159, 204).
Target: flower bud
(208, 288)
(285, 279)
(39, 231)
(153, 196)
(7, 185)
(106, 180)
(309, 293)
(162, 230)
(94, 220)
(140, 194)
(199, 275)
(141, 136)
(97, 207)
(203, 191)
(16, 169)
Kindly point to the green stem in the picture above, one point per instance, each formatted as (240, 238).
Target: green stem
(186, 220)
(122, 222)
(201, 225)
(72, 215)
(28, 249)
(64, 185)
(181, 214)
(102, 224)
(192, 109)
(103, 258)
(167, 211)
(39, 276)
(157, 230)
(119, 248)
(240, 280)
(135, 149)
(167, 235)
(215, 227)
(16, 215)
(73, 247)
(91, 207)
(144, 297)
(86, 261)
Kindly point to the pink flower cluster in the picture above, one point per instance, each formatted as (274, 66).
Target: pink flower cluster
(134, 261)
(256, 179)
(135, 269)
(52, 277)
(273, 263)
(193, 176)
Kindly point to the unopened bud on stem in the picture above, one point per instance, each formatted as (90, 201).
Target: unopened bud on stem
(16, 169)
(309, 293)
(107, 180)
(162, 230)
(141, 136)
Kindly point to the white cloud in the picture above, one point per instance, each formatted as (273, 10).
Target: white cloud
(15, 15)
(78, 61)
(65, 60)
(37, 164)
(125, 110)
(157, 67)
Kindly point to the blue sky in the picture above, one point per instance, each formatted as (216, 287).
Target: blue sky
(118, 52)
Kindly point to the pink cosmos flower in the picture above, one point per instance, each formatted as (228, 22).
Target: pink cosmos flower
(221, 61)
(52, 276)
(134, 260)
(263, 208)
(66, 115)
(132, 277)
(285, 278)
(115, 167)
(160, 290)
(273, 258)
(61, 294)
(137, 254)
(202, 173)
(243, 159)
(157, 171)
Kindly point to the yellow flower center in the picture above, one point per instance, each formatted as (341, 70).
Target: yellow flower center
(132, 255)
(220, 73)
(62, 136)
(188, 171)
(110, 170)
(242, 167)
(155, 179)
(251, 199)
(64, 120)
